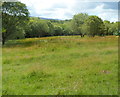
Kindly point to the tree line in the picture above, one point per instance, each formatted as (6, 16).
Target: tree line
(17, 24)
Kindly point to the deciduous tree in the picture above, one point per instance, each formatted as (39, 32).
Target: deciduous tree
(94, 26)
(14, 14)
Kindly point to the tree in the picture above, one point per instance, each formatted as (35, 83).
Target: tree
(14, 14)
(83, 29)
(116, 29)
(94, 26)
(37, 28)
(58, 30)
(113, 30)
(107, 27)
(51, 28)
(77, 22)
(67, 28)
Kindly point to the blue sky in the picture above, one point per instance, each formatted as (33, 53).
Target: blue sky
(65, 9)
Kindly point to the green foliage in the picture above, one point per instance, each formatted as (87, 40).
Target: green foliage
(58, 30)
(81, 24)
(114, 28)
(84, 29)
(77, 22)
(39, 28)
(67, 28)
(16, 24)
(51, 28)
(14, 14)
(94, 26)
(111, 28)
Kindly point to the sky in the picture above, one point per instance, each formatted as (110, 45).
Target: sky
(66, 9)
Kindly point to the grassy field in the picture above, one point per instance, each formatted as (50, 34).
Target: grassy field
(64, 65)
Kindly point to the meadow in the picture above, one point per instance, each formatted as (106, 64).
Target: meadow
(60, 65)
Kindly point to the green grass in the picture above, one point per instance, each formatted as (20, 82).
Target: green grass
(66, 65)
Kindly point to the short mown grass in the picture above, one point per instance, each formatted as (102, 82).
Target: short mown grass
(64, 65)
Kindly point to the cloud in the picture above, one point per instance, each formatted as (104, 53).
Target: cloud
(65, 9)
(105, 13)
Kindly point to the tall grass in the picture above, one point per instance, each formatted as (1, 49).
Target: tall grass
(64, 65)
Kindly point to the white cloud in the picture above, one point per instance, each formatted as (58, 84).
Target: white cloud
(65, 9)
(98, 9)
(106, 14)
(41, 7)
